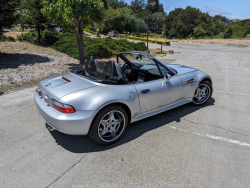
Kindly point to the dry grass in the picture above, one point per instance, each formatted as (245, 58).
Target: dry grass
(13, 34)
(241, 42)
(24, 64)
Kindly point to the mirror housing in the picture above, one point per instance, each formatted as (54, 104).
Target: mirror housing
(167, 78)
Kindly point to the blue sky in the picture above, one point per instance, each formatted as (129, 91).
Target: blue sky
(231, 9)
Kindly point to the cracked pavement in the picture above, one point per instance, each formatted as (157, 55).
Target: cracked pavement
(206, 146)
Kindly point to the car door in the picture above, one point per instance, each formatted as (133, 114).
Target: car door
(158, 93)
(172, 88)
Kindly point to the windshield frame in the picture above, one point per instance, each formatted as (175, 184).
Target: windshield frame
(156, 61)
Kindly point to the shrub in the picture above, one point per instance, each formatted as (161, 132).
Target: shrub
(97, 47)
(90, 31)
(28, 37)
(150, 40)
(140, 46)
(2, 37)
(50, 37)
(47, 37)
(10, 39)
(228, 33)
(98, 51)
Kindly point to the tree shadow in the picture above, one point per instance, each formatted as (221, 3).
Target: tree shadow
(15, 60)
(83, 144)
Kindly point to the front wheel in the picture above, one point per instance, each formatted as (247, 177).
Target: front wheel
(202, 93)
(109, 125)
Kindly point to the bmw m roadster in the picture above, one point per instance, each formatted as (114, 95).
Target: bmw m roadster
(102, 98)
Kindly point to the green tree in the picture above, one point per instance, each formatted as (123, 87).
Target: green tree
(8, 13)
(31, 14)
(199, 31)
(157, 19)
(114, 20)
(184, 21)
(137, 5)
(228, 33)
(155, 6)
(134, 24)
(72, 15)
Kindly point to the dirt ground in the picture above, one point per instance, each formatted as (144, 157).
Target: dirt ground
(23, 64)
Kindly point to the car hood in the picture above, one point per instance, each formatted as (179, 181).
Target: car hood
(64, 84)
(181, 69)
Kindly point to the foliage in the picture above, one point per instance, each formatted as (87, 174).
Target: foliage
(72, 15)
(47, 37)
(137, 5)
(8, 13)
(181, 23)
(8, 39)
(97, 47)
(155, 6)
(90, 31)
(228, 33)
(157, 19)
(32, 15)
(199, 31)
(114, 20)
(134, 24)
(237, 29)
(150, 40)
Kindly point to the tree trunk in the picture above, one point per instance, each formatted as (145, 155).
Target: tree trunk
(79, 37)
(39, 35)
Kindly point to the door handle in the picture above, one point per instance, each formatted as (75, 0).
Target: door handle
(145, 91)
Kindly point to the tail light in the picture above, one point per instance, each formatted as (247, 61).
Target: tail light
(64, 108)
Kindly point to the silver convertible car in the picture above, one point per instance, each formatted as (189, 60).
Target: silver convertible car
(102, 98)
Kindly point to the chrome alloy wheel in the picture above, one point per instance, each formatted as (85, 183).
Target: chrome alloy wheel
(111, 126)
(202, 93)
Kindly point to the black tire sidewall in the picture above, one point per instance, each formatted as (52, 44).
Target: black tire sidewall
(93, 131)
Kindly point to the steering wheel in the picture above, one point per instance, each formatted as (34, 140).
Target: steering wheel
(127, 70)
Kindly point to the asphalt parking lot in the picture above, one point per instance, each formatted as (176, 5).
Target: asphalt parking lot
(207, 146)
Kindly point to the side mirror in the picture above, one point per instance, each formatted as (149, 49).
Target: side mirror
(167, 78)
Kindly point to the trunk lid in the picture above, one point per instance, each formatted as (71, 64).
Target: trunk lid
(60, 85)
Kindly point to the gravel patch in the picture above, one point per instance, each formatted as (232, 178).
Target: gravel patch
(24, 65)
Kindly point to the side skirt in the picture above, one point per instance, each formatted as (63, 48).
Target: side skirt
(159, 110)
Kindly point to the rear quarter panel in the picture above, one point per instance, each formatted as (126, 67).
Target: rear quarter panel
(98, 97)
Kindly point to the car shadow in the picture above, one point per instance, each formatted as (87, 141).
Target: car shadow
(13, 61)
(83, 144)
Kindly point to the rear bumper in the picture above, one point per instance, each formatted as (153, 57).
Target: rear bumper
(77, 123)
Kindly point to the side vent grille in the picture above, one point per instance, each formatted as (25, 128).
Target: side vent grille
(189, 81)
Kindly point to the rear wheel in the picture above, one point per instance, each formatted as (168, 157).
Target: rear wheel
(202, 93)
(109, 125)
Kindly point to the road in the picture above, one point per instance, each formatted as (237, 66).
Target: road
(189, 146)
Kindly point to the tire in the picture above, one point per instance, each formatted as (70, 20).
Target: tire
(207, 93)
(109, 125)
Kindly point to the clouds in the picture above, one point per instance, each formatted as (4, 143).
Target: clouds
(217, 11)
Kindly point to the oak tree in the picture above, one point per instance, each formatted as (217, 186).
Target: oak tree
(73, 15)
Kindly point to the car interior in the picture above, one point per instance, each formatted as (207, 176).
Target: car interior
(130, 68)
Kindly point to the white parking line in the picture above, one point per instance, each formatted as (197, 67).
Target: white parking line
(232, 93)
(228, 140)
